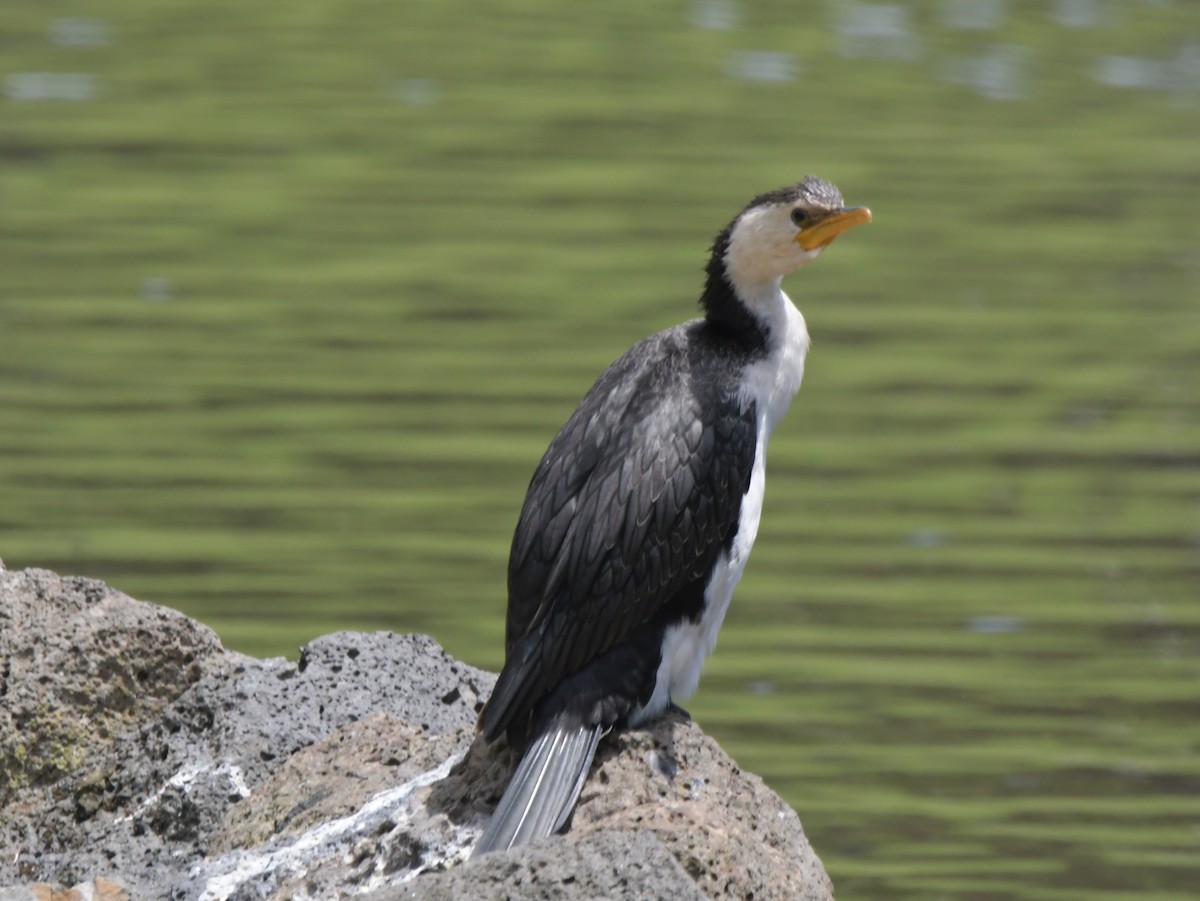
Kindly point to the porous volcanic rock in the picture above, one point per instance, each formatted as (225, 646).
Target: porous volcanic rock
(143, 760)
(80, 664)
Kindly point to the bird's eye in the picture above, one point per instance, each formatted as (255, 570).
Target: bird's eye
(799, 216)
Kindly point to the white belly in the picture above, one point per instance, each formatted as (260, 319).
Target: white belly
(771, 383)
(686, 646)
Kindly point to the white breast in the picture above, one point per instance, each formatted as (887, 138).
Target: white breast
(770, 383)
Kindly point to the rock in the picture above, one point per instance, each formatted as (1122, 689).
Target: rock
(356, 763)
(732, 835)
(597, 865)
(141, 759)
(97, 890)
(80, 664)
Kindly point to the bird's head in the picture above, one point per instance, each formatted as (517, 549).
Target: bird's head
(782, 231)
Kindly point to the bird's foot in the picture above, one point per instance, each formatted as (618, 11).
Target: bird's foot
(672, 707)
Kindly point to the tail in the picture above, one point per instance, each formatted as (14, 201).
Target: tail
(542, 792)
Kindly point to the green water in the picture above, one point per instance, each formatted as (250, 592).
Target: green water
(293, 298)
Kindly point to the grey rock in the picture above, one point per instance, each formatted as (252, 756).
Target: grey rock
(732, 835)
(139, 750)
(151, 781)
(80, 663)
(599, 865)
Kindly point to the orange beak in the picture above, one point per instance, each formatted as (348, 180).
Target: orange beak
(821, 234)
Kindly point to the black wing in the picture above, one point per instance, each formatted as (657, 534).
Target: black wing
(631, 504)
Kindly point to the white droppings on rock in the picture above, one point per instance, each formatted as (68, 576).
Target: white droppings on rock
(182, 780)
(336, 837)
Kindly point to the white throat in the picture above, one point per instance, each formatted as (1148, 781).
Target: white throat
(773, 381)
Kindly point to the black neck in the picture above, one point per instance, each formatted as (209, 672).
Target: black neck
(722, 307)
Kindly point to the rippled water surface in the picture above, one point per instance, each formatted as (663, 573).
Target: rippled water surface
(292, 299)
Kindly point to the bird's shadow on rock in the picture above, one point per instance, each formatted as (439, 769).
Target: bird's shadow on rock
(470, 791)
(628, 761)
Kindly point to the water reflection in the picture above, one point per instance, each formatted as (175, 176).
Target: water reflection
(763, 687)
(155, 288)
(995, 625)
(1178, 74)
(30, 87)
(876, 31)
(973, 15)
(998, 74)
(762, 65)
(78, 32)
(715, 15)
(415, 91)
(1078, 13)
(926, 538)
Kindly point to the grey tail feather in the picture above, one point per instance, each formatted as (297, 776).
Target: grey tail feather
(544, 788)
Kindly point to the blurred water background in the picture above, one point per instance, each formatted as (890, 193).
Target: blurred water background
(293, 296)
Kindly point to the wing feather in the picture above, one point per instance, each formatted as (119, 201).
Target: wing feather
(631, 503)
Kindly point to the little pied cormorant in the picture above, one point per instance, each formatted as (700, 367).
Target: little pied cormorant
(640, 517)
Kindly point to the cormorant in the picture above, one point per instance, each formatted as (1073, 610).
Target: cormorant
(640, 517)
